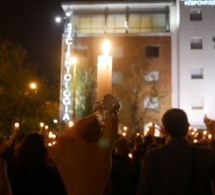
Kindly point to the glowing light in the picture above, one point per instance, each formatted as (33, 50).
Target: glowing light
(209, 136)
(194, 129)
(50, 134)
(104, 72)
(125, 128)
(205, 111)
(58, 19)
(192, 133)
(41, 124)
(124, 134)
(150, 124)
(130, 155)
(195, 141)
(137, 134)
(46, 126)
(68, 13)
(106, 47)
(16, 125)
(33, 85)
(199, 2)
(67, 76)
(70, 123)
(55, 121)
(204, 132)
(49, 144)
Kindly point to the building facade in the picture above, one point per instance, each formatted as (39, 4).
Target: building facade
(167, 33)
(197, 59)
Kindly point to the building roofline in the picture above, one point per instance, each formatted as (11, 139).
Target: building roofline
(116, 5)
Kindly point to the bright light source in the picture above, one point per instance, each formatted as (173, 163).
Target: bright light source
(130, 155)
(16, 125)
(68, 13)
(41, 124)
(150, 124)
(125, 128)
(209, 136)
(70, 123)
(106, 47)
(73, 60)
(58, 19)
(33, 85)
(55, 121)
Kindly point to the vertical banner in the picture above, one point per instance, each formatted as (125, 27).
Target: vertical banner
(66, 92)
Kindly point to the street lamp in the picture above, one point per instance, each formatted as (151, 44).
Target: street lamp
(33, 86)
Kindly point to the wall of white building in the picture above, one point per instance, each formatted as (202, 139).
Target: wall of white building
(197, 95)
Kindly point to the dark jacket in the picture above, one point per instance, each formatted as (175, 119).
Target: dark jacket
(177, 169)
(123, 176)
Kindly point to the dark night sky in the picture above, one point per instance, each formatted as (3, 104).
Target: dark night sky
(31, 24)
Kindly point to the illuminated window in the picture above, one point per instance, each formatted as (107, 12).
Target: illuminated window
(195, 14)
(197, 103)
(159, 23)
(152, 76)
(197, 73)
(116, 24)
(151, 103)
(196, 43)
(152, 51)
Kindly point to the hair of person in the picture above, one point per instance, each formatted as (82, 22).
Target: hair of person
(122, 146)
(175, 122)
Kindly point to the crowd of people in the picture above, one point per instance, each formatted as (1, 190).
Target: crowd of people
(110, 164)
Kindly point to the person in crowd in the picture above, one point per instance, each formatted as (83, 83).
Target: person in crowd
(83, 155)
(30, 174)
(4, 145)
(5, 188)
(124, 171)
(210, 125)
(177, 167)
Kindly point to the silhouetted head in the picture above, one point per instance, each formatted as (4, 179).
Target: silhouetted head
(121, 147)
(175, 122)
(31, 149)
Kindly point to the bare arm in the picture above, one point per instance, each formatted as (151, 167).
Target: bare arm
(5, 188)
(85, 164)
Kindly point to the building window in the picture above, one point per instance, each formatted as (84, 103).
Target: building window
(196, 73)
(195, 14)
(151, 76)
(152, 51)
(197, 103)
(151, 103)
(196, 43)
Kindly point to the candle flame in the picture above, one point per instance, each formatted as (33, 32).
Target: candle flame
(106, 47)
